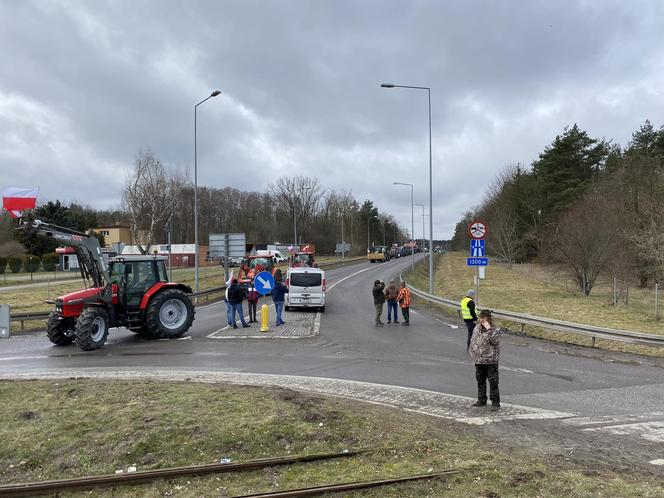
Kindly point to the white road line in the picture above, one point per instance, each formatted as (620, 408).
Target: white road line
(350, 276)
(16, 358)
(317, 323)
(448, 324)
(188, 338)
(657, 461)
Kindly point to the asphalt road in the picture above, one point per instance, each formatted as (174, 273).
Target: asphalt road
(430, 355)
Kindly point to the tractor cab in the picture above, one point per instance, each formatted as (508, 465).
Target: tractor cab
(136, 275)
(253, 265)
(303, 259)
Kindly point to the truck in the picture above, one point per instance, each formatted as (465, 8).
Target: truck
(130, 291)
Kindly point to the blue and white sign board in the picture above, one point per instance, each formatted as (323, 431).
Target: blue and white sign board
(264, 283)
(477, 248)
(477, 262)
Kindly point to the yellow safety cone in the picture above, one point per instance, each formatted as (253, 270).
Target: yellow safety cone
(264, 318)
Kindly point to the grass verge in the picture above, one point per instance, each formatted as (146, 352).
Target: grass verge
(70, 428)
(540, 292)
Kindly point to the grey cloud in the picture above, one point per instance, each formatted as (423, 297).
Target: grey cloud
(301, 93)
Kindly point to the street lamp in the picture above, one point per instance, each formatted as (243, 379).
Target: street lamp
(428, 90)
(423, 215)
(295, 216)
(412, 219)
(213, 94)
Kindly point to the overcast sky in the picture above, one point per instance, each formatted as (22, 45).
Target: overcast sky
(85, 85)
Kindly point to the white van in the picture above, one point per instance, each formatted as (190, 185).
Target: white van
(278, 257)
(306, 288)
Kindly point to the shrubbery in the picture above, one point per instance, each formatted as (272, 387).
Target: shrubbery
(15, 263)
(50, 261)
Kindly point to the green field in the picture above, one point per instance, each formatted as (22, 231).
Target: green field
(72, 428)
(547, 292)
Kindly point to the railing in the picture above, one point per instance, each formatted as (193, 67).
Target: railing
(558, 325)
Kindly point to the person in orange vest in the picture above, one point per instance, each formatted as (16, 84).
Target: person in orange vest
(403, 298)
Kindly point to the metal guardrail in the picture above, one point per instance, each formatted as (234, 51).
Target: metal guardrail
(558, 325)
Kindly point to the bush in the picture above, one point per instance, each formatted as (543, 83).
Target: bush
(49, 261)
(15, 264)
(32, 263)
(3, 264)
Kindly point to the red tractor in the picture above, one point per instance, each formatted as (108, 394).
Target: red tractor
(132, 292)
(253, 266)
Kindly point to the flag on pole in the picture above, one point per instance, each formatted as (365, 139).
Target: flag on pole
(15, 199)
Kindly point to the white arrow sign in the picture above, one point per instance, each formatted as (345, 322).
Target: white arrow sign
(265, 283)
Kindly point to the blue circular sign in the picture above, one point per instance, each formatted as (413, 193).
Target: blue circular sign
(264, 283)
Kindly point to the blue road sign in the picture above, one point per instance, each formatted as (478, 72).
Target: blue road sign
(477, 248)
(477, 262)
(264, 283)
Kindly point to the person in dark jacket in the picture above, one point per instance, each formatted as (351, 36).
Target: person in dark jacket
(485, 352)
(391, 294)
(278, 296)
(379, 300)
(235, 298)
(252, 302)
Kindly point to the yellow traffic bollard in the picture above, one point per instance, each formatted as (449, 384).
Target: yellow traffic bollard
(264, 318)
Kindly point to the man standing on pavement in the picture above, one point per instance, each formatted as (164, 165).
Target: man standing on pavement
(485, 352)
(379, 300)
(229, 307)
(404, 300)
(235, 298)
(391, 294)
(468, 314)
(278, 296)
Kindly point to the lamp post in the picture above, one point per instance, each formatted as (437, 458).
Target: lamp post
(213, 94)
(412, 220)
(423, 215)
(428, 90)
(295, 217)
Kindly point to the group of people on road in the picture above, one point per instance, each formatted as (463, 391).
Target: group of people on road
(395, 298)
(235, 296)
(482, 341)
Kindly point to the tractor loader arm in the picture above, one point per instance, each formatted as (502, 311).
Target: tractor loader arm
(92, 264)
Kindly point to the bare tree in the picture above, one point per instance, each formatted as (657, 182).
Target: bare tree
(150, 195)
(586, 239)
(299, 196)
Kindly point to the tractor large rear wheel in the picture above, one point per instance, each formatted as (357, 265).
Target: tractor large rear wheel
(169, 314)
(92, 328)
(60, 331)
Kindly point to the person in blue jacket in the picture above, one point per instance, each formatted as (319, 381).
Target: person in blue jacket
(278, 296)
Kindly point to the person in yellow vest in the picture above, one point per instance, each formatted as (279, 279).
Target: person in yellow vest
(468, 314)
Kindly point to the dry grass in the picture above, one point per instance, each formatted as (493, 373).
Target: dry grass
(543, 291)
(70, 428)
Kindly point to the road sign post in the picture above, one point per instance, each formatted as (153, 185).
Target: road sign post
(477, 230)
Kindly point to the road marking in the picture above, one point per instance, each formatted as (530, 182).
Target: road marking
(350, 276)
(188, 338)
(16, 358)
(317, 323)
(658, 461)
(448, 324)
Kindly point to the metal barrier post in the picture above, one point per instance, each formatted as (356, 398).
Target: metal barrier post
(5, 322)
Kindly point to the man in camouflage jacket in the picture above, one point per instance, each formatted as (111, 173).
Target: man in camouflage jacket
(485, 352)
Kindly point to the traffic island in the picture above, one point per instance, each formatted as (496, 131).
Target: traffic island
(55, 429)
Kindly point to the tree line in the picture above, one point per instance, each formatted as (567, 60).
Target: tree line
(584, 202)
(155, 198)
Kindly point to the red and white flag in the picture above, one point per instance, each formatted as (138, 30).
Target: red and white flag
(15, 199)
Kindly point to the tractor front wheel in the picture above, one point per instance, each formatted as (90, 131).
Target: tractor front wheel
(92, 328)
(169, 314)
(60, 331)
